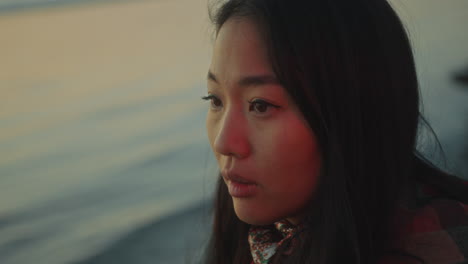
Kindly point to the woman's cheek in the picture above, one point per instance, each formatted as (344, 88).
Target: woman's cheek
(211, 129)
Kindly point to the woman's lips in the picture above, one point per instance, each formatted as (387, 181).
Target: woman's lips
(238, 186)
(241, 190)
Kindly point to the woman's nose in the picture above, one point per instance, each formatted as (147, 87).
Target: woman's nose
(232, 137)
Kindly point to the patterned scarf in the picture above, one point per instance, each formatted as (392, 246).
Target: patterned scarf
(265, 240)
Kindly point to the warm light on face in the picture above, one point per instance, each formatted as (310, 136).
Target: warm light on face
(264, 147)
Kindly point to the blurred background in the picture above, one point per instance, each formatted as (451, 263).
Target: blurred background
(104, 157)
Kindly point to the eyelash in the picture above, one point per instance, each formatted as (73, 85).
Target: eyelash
(252, 103)
(210, 97)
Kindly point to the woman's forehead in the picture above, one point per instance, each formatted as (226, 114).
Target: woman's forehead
(239, 52)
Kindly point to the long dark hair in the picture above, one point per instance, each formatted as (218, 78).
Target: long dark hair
(349, 67)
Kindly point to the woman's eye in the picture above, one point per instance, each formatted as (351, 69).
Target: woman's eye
(260, 106)
(215, 102)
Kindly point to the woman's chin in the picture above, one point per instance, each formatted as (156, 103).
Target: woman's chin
(254, 221)
(253, 216)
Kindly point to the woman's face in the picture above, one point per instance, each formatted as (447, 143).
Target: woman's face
(266, 152)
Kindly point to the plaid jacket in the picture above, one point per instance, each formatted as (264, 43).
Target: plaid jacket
(437, 232)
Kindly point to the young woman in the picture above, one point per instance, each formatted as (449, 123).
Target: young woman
(313, 119)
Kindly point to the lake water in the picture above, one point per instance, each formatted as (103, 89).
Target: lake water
(102, 127)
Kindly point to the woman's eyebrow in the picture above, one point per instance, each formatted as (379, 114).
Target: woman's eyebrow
(254, 80)
(212, 77)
